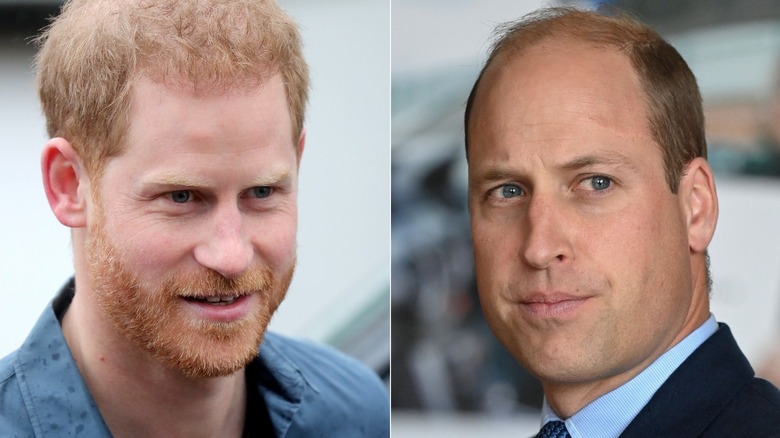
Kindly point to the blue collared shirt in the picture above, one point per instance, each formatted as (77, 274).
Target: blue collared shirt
(609, 415)
(308, 389)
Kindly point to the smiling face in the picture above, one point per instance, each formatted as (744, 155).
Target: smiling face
(582, 256)
(191, 242)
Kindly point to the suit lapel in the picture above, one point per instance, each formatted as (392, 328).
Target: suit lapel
(696, 392)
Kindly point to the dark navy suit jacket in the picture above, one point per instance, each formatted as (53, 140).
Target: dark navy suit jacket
(714, 393)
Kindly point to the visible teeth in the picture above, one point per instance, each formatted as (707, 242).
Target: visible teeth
(219, 300)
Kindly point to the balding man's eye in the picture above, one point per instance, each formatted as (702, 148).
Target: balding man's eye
(510, 191)
(507, 191)
(600, 182)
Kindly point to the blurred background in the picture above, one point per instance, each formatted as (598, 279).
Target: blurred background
(450, 376)
(340, 294)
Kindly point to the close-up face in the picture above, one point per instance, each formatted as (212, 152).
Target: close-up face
(192, 237)
(581, 249)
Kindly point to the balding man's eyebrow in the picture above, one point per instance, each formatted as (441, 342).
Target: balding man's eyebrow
(613, 160)
(492, 175)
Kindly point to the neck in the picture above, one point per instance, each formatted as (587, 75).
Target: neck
(566, 399)
(139, 396)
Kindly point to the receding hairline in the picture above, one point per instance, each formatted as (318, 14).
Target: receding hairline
(514, 38)
(549, 43)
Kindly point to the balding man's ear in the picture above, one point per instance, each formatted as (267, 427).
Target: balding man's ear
(63, 174)
(700, 203)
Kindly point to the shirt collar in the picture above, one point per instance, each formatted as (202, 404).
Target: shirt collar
(610, 414)
(52, 386)
(54, 393)
(281, 384)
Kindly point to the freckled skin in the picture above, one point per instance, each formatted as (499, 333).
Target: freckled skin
(549, 123)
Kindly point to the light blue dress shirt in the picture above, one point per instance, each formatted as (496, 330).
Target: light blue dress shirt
(609, 415)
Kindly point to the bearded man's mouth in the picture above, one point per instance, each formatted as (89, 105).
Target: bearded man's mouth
(215, 300)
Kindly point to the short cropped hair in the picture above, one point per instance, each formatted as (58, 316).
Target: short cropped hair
(94, 51)
(674, 103)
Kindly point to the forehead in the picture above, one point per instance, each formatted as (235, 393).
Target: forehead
(177, 134)
(164, 111)
(562, 94)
